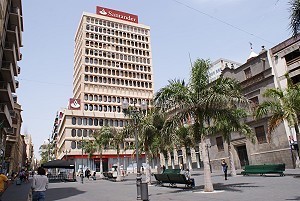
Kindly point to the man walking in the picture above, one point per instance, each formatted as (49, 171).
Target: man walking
(39, 185)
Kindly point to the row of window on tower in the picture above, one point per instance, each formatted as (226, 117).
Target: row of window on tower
(122, 73)
(115, 56)
(125, 27)
(117, 64)
(113, 99)
(117, 41)
(94, 122)
(115, 48)
(105, 80)
(116, 33)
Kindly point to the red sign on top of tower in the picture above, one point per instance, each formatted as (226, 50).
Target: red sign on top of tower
(116, 14)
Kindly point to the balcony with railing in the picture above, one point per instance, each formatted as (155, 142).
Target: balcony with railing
(6, 120)
(6, 94)
(15, 18)
(11, 135)
(10, 55)
(13, 36)
(6, 70)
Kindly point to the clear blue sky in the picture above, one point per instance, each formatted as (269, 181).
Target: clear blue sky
(208, 29)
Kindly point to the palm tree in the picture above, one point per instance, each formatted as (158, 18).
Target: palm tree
(102, 139)
(185, 139)
(294, 16)
(118, 138)
(282, 105)
(147, 132)
(227, 126)
(200, 101)
(89, 148)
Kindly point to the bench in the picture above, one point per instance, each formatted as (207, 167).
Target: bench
(264, 169)
(173, 177)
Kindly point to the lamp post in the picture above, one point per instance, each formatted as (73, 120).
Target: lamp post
(135, 114)
(66, 151)
(208, 146)
(81, 175)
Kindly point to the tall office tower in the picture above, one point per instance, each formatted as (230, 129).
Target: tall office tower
(112, 63)
(11, 28)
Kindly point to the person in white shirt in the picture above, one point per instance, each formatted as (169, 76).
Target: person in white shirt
(39, 185)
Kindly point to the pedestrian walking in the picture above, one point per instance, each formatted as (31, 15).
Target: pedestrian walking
(163, 168)
(224, 168)
(3, 184)
(39, 185)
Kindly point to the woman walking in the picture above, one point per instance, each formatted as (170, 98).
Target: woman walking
(39, 185)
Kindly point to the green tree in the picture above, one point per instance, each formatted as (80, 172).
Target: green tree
(89, 148)
(185, 139)
(147, 132)
(202, 102)
(117, 139)
(281, 105)
(294, 16)
(102, 139)
(44, 153)
(232, 123)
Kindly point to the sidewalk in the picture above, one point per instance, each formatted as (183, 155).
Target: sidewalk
(17, 192)
(238, 188)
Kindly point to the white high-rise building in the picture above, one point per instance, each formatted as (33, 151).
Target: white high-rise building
(112, 63)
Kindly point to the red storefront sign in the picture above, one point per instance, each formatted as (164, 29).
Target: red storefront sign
(116, 14)
(74, 104)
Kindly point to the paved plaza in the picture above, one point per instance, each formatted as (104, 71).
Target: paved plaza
(271, 187)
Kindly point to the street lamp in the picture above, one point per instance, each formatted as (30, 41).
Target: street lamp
(66, 151)
(135, 114)
(208, 146)
(81, 174)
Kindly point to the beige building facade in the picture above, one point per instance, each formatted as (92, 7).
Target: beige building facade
(112, 64)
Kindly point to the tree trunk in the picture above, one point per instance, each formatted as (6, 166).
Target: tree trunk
(101, 169)
(119, 178)
(147, 168)
(166, 163)
(298, 138)
(208, 186)
(231, 161)
(158, 169)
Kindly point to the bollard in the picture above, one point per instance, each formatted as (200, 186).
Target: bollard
(144, 191)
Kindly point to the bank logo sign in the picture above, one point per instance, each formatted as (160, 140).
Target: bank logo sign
(74, 104)
(116, 14)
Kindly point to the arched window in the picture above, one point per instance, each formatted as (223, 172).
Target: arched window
(100, 122)
(79, 121)
(79, 132)
(90, 121)
(96, 122)
(84, 133)
(73, 145)
(73, 120)
(73, 133)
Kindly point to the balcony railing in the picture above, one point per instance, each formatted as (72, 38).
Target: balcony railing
(4, 114)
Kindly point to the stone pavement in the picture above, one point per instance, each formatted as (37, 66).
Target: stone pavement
(17, 192)
(239, 188)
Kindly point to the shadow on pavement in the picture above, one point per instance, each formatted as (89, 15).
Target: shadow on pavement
(60, 193)
(217, 186)
(296, 198)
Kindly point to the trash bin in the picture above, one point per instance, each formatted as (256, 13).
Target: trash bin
(144, 191)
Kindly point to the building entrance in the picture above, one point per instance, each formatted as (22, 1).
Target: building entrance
(243, 156)
(104, 164)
